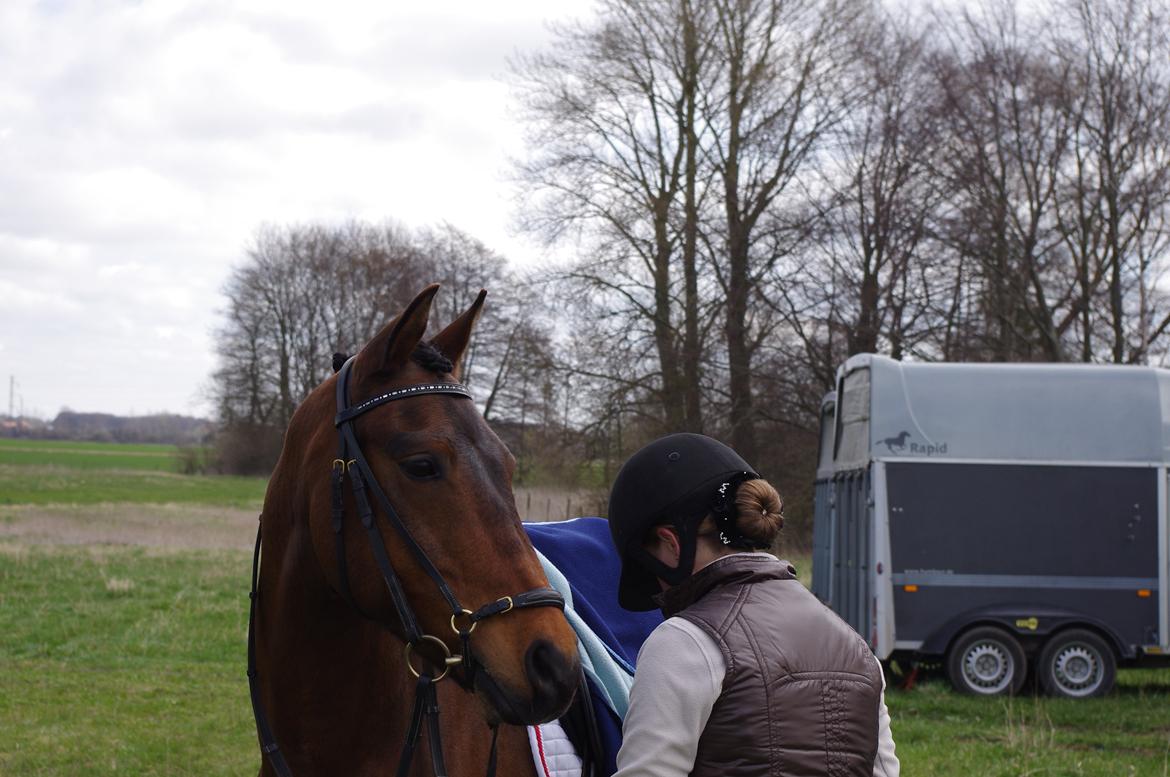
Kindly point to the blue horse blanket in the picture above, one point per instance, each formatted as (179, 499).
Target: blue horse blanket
(580, 561)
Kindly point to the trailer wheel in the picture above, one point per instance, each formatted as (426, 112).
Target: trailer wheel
(1077, 664)
(986, 661)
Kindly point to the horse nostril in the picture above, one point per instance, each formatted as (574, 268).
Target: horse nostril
(552, 675)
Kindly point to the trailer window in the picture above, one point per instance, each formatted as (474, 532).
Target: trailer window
(853, 420)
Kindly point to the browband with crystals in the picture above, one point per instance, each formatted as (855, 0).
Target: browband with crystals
(350, 413)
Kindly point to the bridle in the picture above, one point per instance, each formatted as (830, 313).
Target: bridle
(351, 463)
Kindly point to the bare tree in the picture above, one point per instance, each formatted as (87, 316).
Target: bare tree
(1117, 186)
(760, 188)
(868, 273)
(1058, 140)
(617, 163)
(305, 292)
(783, 81)
(1009, 139)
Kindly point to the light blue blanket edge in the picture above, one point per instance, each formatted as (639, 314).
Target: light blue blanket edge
(610, 674)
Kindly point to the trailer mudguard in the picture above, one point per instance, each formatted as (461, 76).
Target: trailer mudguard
(1031, 624)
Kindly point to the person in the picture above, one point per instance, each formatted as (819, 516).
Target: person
(749, 673)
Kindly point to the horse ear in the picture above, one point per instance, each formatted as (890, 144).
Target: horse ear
(453, 340)
(391, 348)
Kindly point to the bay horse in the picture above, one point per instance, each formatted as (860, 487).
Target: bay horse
(355, 618)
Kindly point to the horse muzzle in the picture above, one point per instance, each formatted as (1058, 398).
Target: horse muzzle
(552, 678)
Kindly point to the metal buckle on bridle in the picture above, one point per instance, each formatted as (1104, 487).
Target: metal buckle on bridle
(449, 660)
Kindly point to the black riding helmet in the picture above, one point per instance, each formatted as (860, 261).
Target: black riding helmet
(676, 480)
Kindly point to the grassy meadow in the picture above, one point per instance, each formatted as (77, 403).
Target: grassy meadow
(38, 472)
(123, 589)
(123, 661)
(89, 455)
(123, 614)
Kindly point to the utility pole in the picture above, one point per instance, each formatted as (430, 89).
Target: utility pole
(11, 394)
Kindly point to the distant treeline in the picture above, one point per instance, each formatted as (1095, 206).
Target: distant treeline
(163, 428)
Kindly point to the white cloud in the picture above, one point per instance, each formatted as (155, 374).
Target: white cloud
(141, 144)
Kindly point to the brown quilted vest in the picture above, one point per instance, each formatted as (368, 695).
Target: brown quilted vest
(802, 689)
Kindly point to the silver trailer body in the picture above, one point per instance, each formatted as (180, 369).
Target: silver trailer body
(1029, 498)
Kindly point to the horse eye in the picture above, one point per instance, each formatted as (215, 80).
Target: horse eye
(420, 468)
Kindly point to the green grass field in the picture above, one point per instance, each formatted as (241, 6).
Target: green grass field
(58, 472)
(126, 661)
(117, 659)
(939, 732)
(56, 484)
(89, 455)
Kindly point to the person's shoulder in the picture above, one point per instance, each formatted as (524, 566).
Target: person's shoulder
(678, 634)
(678, 629)
(684, 646)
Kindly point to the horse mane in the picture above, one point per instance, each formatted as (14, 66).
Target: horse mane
(425, 355)
(430, 358)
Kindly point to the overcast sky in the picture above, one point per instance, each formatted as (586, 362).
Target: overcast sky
(142, 143)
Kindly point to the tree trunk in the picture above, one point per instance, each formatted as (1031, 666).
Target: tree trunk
(743, 437)
(864, 337)
(664, 336)
(693, 414)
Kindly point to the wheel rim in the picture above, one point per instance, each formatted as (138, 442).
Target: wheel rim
(1078, 669)
(988, 667)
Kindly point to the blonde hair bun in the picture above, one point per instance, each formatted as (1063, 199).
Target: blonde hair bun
(759, 511)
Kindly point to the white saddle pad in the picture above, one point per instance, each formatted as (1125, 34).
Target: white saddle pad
(553, 752)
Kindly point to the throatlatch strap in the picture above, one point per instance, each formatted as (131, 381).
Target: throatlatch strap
(338, 508)
(267, 741)
(491, 768)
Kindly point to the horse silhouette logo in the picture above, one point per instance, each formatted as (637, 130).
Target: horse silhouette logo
(895, 444)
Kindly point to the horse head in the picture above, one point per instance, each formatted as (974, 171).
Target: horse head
(448, 477)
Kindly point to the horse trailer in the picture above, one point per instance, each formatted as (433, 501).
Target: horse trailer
(999, 518)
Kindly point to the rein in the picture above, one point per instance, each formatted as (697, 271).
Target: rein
(351, 463)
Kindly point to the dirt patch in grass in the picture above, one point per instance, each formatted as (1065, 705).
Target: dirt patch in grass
(149, 525)
(182, 525)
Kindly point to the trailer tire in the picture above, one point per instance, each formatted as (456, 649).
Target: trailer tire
(1077, 664)
(986, 661)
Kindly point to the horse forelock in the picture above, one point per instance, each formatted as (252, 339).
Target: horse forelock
(426, 355)
(430, 358)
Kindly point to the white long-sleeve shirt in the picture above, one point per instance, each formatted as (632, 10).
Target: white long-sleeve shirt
(679, 678)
